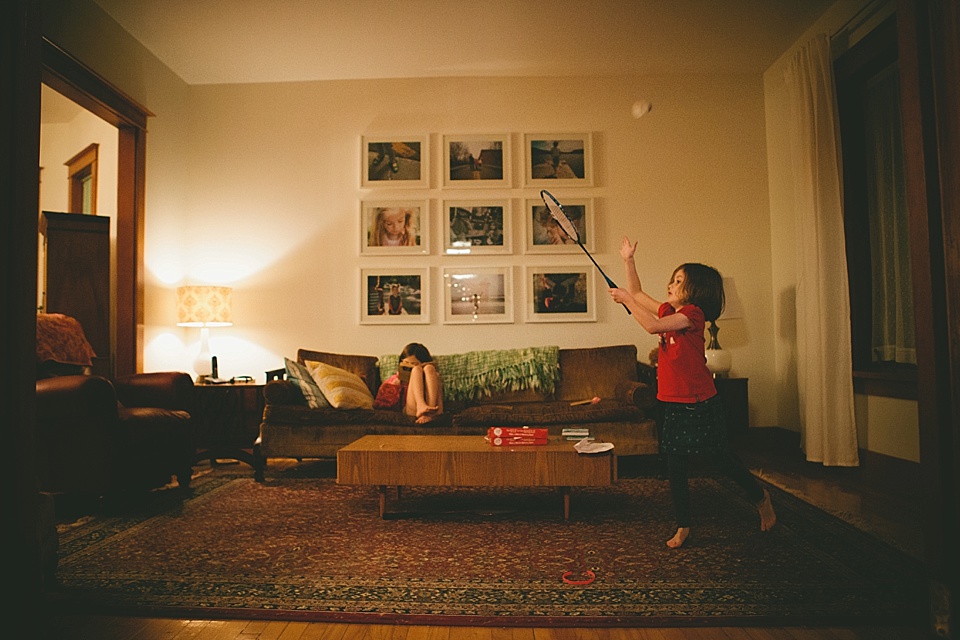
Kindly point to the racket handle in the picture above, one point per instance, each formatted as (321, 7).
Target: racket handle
(613, 285)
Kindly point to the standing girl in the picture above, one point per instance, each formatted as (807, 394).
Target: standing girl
(693, 417)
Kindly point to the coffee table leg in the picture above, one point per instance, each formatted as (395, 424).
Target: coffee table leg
(565, 492)
(383, 499)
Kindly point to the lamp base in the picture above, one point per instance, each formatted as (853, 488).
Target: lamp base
(203, 364)
(719, 362)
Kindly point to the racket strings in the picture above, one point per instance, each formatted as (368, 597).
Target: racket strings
(560, 216)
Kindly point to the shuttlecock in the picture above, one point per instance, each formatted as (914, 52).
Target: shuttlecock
(640, 108)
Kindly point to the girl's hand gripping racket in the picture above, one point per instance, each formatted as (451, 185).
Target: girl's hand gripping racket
(558, 214)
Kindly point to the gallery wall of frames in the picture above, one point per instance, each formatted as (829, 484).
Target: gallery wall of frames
(484, 225)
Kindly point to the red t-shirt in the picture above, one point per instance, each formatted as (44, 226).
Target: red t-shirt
(682, 374)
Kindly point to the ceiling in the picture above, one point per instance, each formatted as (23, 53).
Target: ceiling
(249, 41)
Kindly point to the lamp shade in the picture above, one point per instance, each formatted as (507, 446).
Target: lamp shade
(204, 306)
(733, 308)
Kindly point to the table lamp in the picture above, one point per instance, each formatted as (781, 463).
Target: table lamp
(204, 307)
(718, 360)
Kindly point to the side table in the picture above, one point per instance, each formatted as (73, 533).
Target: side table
(734, 394)
(227, 420)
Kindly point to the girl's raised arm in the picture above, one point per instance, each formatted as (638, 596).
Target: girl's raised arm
(627, 252)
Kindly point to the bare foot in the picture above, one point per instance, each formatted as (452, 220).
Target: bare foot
(679, 538)
(427, 410)
(768, 517)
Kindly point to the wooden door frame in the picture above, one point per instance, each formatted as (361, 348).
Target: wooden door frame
(70, 77)
(929, 52)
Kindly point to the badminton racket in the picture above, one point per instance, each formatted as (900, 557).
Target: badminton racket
(558, 214)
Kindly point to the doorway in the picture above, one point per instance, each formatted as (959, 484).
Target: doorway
(76, 83)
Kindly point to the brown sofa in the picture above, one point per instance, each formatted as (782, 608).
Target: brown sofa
(291, 429)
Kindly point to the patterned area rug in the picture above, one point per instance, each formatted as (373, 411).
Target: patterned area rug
(301, 547)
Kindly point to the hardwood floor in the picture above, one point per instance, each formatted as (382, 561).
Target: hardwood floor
(882, 496)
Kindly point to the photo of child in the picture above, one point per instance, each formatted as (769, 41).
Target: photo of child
(392, 227)
(394, 297)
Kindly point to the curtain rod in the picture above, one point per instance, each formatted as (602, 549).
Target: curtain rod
(855, 21)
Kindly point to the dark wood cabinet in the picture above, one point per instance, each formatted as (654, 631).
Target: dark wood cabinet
(226, 420)
(734, 394)
(76, 276)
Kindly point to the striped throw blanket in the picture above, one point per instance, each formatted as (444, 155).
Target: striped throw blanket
(475, 374)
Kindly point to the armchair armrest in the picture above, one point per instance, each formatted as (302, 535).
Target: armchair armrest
(639, 394)
(171, 390)
(76, 433)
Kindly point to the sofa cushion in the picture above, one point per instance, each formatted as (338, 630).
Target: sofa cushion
(585, 373)
(300, 375)
(299, 415)
(363, 366)
(545, 413)
(341, 388)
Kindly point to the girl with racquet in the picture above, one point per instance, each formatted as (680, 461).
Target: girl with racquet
(694, 420)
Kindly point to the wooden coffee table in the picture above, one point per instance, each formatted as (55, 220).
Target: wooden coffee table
(470, 461)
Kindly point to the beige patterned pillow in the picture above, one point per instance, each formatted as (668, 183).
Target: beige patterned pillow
(342, 389)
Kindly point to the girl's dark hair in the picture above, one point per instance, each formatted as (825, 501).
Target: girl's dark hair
(418, 351)
(703, 287)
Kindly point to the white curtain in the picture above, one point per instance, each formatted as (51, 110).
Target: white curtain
(824, 358)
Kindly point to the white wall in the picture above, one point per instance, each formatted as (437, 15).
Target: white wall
(273, 207)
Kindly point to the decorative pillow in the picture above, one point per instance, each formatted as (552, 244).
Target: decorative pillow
(342, 389)
(390, 394)
(300, 375)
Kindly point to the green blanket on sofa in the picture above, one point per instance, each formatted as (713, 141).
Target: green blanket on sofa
(475, 374)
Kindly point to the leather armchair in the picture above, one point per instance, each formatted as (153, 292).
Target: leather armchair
(112, 438)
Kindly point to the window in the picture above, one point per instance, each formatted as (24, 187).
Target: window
(875, 213)
(82, 173)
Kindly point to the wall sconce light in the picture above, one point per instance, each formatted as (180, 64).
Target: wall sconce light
(718, 360)
(204, 307)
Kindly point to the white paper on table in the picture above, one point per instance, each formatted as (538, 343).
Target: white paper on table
(587, 446)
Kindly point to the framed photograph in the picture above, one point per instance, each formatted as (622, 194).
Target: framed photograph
(394, 227)
(473, 227)
(478, 295)
(560, 294)
(394, 296)
(543, 233)
(476, 160)
(553, 159)
(394, 161)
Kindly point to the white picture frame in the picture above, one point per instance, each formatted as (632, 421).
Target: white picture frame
(379, 232)
(478, 295)
(542, 234)
(559, 293)
(555, 160)
(477, 226)
(411, 285)
(476, 160)
(395, 161)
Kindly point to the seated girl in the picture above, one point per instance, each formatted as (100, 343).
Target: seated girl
(418, 374)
